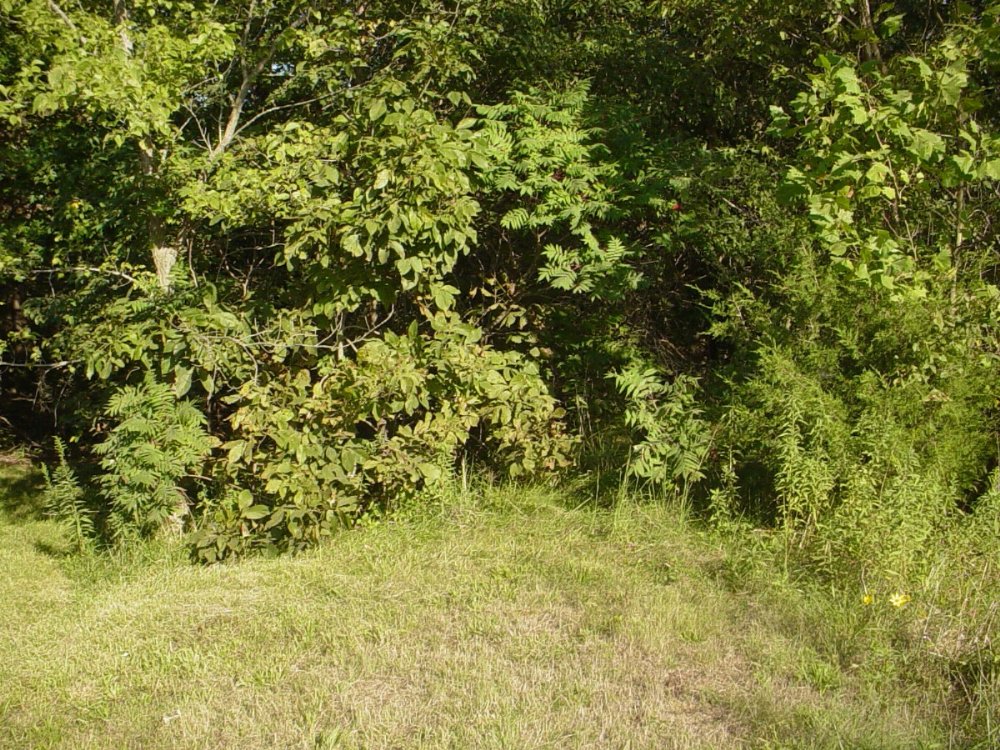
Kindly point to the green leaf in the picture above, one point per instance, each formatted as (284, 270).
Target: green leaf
(350, 458)
(236, 451)
(376, 110)
(990, 170)
(966, 164)
(877, 172)
(891, 25)
(244, 499)
(431, 472)
(444, 296)
(352, 244)
(926, 144)
(256, 512)
(182, 380)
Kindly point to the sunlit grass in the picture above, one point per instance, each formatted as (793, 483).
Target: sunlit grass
(506, 619)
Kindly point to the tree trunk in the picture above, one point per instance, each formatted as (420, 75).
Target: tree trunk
(870, 50)
(164, 252)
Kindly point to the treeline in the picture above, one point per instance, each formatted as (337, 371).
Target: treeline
(268, 265)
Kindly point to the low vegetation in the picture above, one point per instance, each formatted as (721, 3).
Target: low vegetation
(501, 618)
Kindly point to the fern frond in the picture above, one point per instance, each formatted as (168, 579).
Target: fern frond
(65, 500)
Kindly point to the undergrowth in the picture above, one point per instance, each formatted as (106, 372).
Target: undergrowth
(499, 616)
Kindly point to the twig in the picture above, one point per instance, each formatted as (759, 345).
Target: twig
(87, 269)
(249, 80)
(66, 19)
(42, 365)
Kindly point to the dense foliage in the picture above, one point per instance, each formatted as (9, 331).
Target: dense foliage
(271, 265)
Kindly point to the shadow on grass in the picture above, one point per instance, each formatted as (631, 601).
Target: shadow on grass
(55, 551)
(20, 491)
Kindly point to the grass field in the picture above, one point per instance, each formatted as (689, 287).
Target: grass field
(509, 619)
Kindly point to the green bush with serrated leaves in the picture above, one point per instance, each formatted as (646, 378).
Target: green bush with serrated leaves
(311, 449)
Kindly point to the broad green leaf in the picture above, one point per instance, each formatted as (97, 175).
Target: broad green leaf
(431, 472)
(182, 380)
(256, 512)
(376, 110)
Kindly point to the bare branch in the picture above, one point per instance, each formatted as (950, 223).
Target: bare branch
(121, 18)
(66, 19)
(87, 269)
(201, 129)
(246, 85)
(42, 365)
(278, 108)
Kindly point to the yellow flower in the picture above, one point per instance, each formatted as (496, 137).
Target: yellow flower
(867, 599)
(899, 599)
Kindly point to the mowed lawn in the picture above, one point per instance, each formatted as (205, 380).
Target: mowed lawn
(508, 620)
